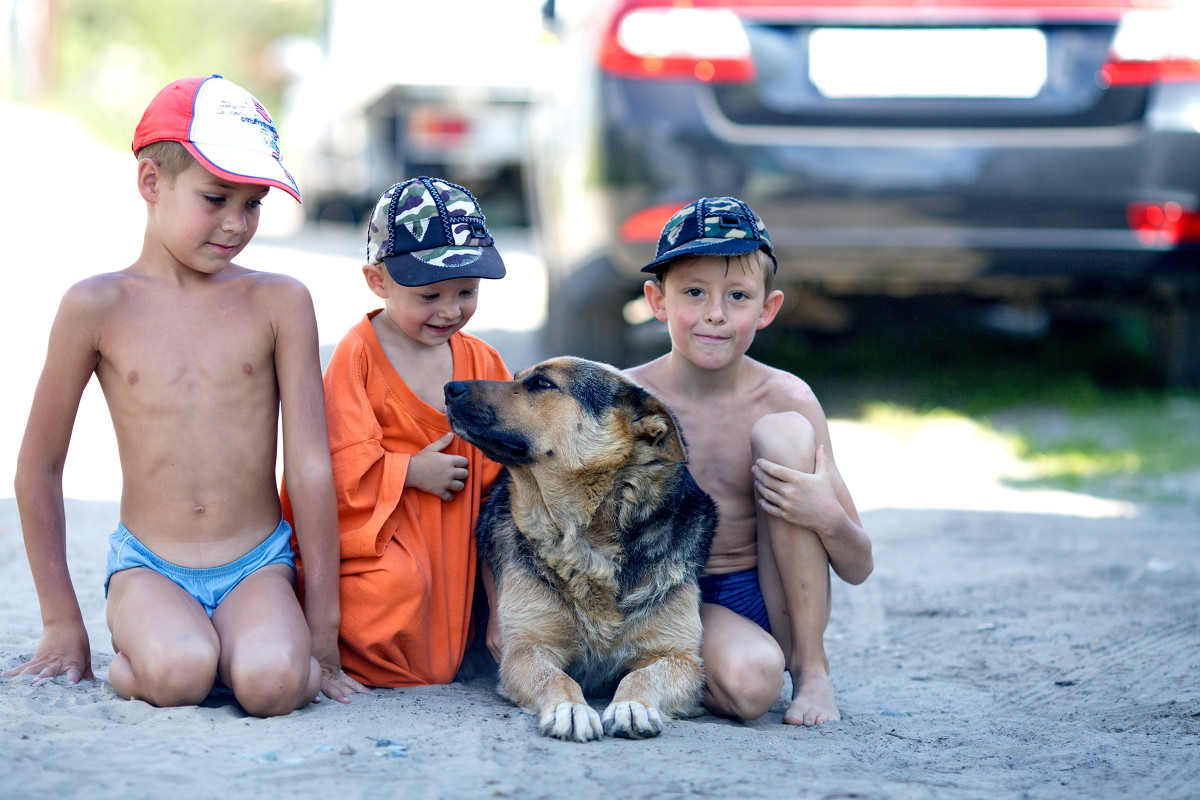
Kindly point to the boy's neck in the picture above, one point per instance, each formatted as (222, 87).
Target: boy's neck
(689, 378)
(160, 265)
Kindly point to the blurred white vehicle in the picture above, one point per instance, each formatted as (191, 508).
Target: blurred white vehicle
(400, 89)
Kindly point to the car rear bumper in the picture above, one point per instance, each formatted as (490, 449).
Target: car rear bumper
(847, 203)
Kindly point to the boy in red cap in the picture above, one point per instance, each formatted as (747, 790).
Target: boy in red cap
(197, 358)
(758, 443)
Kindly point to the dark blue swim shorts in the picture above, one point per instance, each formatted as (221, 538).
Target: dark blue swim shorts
(739, 592)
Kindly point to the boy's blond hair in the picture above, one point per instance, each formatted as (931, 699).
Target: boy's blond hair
(172, 158)
(756, 258)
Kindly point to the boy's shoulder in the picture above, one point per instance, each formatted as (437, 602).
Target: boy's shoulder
(781, 382)
(752, 377)
(274, 281)
(100, 290)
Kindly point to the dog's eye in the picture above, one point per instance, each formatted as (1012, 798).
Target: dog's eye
(536, 383)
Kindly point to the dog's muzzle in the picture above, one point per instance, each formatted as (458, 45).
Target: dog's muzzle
(476, 421)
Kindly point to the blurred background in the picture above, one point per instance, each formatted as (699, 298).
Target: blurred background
(1004, 262)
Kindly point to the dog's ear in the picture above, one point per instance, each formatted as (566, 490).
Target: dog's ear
(654, 423)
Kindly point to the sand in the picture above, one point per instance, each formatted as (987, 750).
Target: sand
(992, 654)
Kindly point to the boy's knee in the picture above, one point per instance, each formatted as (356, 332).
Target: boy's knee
(786, 438)
(175, 673)
(747, 683)
(273, 684)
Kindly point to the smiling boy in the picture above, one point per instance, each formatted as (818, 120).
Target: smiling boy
(408, 492)
(758, 443)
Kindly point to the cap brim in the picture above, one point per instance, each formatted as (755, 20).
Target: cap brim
(707, 247)
(423, 267)
(239, 165)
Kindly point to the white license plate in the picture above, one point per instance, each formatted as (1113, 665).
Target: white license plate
(934, 62)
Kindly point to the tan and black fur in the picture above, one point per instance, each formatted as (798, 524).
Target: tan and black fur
(596, 533)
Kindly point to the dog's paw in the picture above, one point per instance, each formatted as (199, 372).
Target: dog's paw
(630, 719)
(572, 722)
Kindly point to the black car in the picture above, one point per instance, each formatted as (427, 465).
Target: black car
(1030, 155)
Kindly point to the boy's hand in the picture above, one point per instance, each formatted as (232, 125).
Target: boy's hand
(799, 498)
(436, 472)
(66, 653)
(337, 685)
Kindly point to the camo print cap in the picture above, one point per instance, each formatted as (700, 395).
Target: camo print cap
(712, 226)
(426, 230)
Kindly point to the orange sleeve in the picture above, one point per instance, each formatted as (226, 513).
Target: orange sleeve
(368, 480)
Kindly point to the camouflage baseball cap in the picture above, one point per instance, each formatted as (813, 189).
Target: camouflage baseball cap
(426, 230)
(711, 226)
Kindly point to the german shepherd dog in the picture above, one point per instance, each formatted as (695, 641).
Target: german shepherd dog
(596, 533)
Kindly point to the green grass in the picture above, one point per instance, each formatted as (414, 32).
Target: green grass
(1123, 446)
(1077, 405)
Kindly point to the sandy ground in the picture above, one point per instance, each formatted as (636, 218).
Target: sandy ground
(993, 654)
(1012, 642)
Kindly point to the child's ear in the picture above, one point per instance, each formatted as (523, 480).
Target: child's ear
(771, 307)
(149, 179)
(654, 296)
(375, 282)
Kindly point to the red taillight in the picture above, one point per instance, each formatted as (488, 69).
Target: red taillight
(430, 127)
(1126, 73)
(1154, 46)
(660, 39)
(1163, 223)
(646, 225)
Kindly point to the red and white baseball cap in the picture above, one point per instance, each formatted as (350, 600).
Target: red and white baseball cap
(223, 126)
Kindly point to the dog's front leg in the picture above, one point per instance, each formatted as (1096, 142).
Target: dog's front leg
(670, 685)
(534, 683)
(667, 679)
(538, 642)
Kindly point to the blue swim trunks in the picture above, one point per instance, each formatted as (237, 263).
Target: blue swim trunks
(208, 586)
(739, 592)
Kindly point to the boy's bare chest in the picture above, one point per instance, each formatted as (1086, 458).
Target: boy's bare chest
(718, 448)
(185, 349)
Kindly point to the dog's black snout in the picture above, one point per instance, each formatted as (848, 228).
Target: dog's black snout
(456, 389)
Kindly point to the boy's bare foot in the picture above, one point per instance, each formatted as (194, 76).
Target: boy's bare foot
(812, 701)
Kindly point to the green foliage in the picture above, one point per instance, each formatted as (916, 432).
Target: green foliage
(1121, 446)
(111, 56)
(1077, 404)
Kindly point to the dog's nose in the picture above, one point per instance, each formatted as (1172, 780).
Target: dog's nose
(456, 389)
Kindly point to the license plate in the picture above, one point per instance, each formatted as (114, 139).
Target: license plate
(934, 62)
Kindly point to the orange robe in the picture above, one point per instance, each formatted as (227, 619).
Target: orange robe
(408, 557)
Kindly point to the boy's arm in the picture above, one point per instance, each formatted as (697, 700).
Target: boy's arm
(309, 479)
(71, 359)
(819, 501)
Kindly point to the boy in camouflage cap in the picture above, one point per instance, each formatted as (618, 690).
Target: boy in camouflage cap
(758, 443)
(408, 491)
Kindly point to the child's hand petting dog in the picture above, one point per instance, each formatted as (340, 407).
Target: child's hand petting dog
(436, 472)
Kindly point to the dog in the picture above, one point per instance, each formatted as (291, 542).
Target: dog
(596, 533)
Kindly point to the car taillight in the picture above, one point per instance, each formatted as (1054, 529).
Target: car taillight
(432, 128)
(1155, 46)
(1163, 223)
(646, 225)
(660, 39)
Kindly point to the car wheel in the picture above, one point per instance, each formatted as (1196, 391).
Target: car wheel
(584, 315)
(1176, 330)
